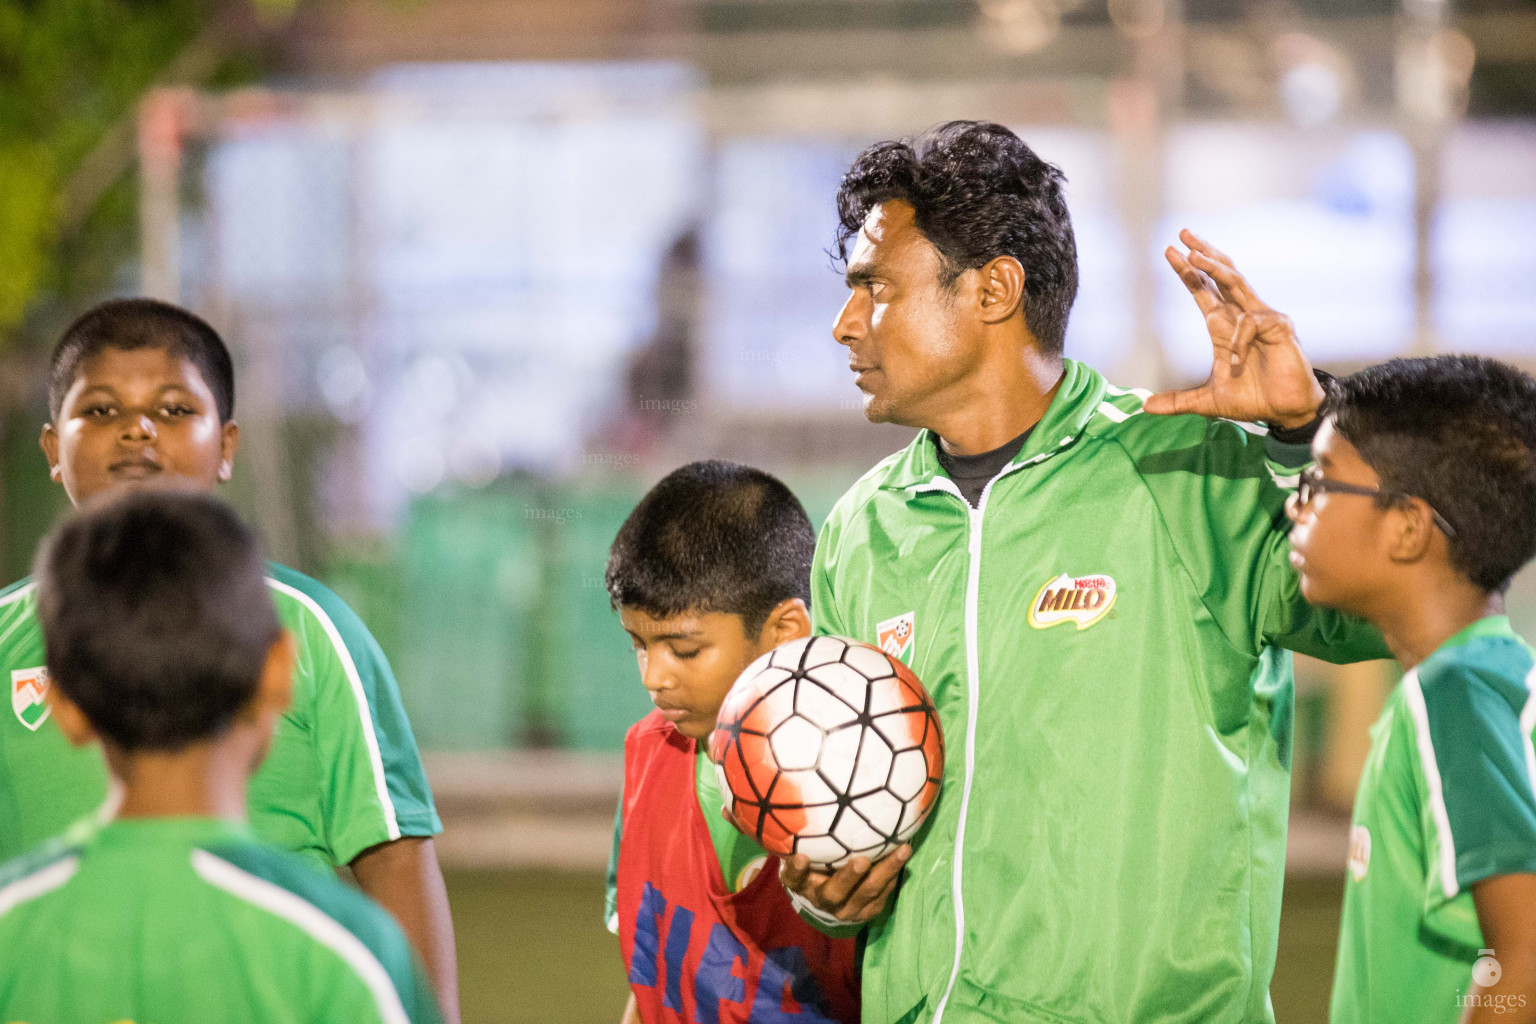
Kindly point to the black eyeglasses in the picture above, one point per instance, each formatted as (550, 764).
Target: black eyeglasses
(1312, 482)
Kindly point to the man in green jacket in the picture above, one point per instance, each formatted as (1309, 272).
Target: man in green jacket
(1098, 598)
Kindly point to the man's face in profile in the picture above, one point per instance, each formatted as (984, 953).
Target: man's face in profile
(907, 340)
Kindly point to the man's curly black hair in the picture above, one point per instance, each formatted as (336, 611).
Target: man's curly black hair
(978, 193)
(1459, 432)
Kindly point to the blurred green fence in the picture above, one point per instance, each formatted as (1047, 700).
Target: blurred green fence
(492, 609)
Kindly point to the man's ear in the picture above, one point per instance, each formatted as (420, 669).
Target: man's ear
(228, 445)
(49, 442)
(789, 620)
(71, 720)
(1413, 528)
(1001, 283)
(274, 690)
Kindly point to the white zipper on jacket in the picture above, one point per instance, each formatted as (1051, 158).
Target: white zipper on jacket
(972, 687)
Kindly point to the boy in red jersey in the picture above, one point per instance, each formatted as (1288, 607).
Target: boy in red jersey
(710, 570)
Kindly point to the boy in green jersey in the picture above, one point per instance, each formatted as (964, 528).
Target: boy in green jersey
(142, 393)
(163, 642)
(1419, 509)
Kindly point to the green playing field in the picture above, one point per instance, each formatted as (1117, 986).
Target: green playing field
(532, 949)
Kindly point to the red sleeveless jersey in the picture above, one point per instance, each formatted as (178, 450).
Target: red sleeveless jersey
(697, 953)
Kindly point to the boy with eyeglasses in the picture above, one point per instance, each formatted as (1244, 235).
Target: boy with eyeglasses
(1419, 509)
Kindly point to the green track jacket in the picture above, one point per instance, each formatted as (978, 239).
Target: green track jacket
(1106, 639)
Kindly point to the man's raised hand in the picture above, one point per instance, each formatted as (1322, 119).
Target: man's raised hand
(854, 894)
(1258, 370)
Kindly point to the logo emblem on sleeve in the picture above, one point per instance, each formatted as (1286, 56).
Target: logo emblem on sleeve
(894, 636)
(1083, 600)
(29, 692)
(1359, 852)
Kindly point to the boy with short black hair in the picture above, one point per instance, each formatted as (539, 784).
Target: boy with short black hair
(142, 393)
(162, 641)
(1420, 508)
(710, 570)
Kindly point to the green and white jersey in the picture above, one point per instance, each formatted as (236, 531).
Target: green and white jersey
(1106, 639)
(343, 773)
(740, 857)
(1445, 801)
(188, 921)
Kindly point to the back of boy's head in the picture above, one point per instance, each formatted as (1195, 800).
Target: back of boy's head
(713, 537)
(1460, 433)
(156, 617)
(131, 324)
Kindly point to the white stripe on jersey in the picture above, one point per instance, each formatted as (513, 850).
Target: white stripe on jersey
(18, 594)
(1287, 482)
(1115, 413)
(291, 907)
(39, 883)
(1527, 725)
(1256, 429)
(1414, 697)
(380, 781)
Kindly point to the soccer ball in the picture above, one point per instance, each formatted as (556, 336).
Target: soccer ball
(828, 747)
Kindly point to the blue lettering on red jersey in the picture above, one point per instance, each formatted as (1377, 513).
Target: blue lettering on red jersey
(696, 953)
(787, 992)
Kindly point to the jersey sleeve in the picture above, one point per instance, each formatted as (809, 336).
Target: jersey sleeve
(373, 786)
(611, 892)
(1476, 760)
(826, 618)
(1223, 503)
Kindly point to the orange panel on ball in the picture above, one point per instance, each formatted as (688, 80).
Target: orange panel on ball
(850, 722)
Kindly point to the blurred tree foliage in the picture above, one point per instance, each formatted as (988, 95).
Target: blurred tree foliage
(69, 71)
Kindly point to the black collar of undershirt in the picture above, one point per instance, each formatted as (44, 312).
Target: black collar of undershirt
(972, 473)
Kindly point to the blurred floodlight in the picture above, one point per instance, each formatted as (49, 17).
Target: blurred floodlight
(1432, 74)
(1314, 78)
(419, 464)
(1456, 54)
(1021, 26)
(1138, 18)
(1311, 93)
(344, 384)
